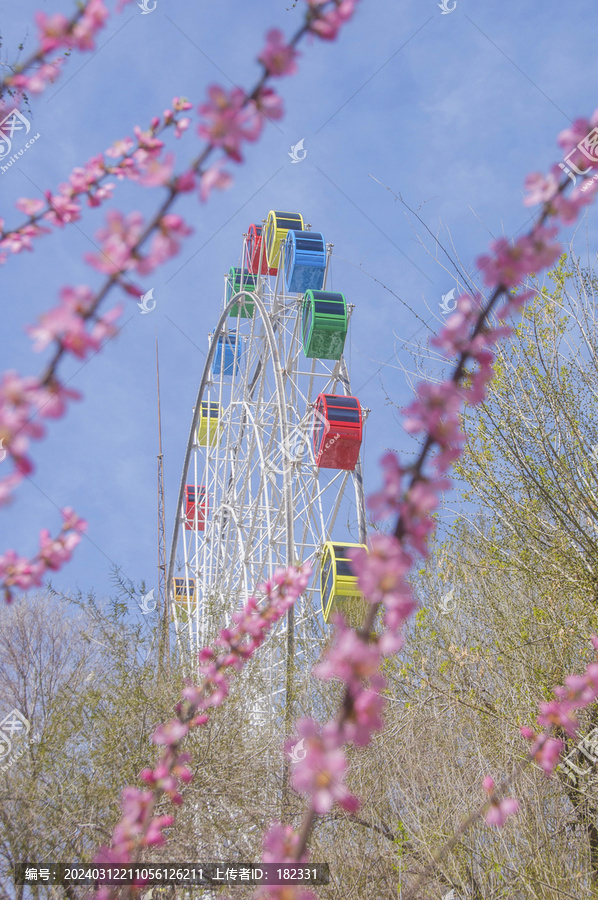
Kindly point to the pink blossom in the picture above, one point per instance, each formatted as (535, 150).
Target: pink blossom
(327, 25)
(230, 120)
(181, 104)
(17, 571)
(454, 337)
(500, 810)
(37, 81)
(59, 324)
(435, 411)
(277, 57)
(15, 241)
(16, 427)
(53, 31)
(54, 552)
(89, 24)
(269, 104)
(569, 138)
(62, 209)
(31, 207)
(214, 177)
(386, 502)
(157, 172)
(382, 568)
(321, 773)
(420, 500)
(98, 196)
(7, 486)
(185, 182)
(381, 574)
(558, 713)
(351, 658)
(154, 836)
(118, 240)
(78, 300)
(51, 399)
(72, 520)
(181, 126)
(546, 751)
(280, 844)
(104, 327)
(170, 733)
(365, 716)
(17, 391)
(512, 262)
(121, 147)
(541, 188)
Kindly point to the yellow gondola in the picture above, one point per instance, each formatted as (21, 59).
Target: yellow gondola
(278, 225)
(184, 597)
(210, 424)
(338, 585)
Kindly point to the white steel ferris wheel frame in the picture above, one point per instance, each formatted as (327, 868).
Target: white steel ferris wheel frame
(269, 505)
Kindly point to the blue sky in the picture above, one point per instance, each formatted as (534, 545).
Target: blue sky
(449, 111)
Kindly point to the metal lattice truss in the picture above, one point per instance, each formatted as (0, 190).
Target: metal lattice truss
(269, 504)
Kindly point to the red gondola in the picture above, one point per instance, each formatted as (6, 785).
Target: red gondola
(338, 431)
(254, 248)
(193, 500)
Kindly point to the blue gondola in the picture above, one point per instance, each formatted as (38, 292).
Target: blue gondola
(304, 261)
(224, 357)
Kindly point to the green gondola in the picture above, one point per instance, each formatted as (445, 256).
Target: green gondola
(324, 324)
(238, 280)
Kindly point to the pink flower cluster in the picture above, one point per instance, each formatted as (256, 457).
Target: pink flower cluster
(355, 660)
(546, 189)
(19, 572)
(122, 235)
(280, 846)
(136, 160)
(500, 810)
(277, 57)
(510, 264)
(21, 400)
(56, 31)
(138, 826)
(232, 118)
(327, 25)
(66, 323)
(579, 692)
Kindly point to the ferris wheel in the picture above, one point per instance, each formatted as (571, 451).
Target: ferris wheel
(271, 474)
